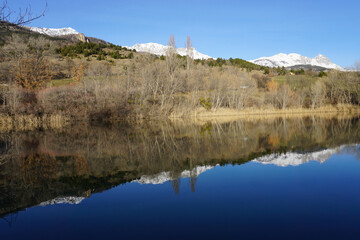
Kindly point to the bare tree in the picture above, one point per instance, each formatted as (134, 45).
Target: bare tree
(26, 60)
(23, 16)
(357, 65)
(171, 56)
(189, 52)
(301, 97)
(284, 96)
(32, 73)
(318, 93)
(15, 50)
(341, 86)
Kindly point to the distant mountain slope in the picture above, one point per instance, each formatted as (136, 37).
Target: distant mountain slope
(308, 68)
(54, 32)
(65, 33)
(162, 177)
(154, 48)
(294, 59)
(159, 49)
(296, 159)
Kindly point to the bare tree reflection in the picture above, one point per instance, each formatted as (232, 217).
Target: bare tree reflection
(176, 185)
(38, 166)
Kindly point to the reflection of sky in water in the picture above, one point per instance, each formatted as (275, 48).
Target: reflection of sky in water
(249, 201)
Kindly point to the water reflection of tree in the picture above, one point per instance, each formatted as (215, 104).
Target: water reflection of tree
(38, 168)
(105, 156)
(193, 180)
(150, 147)
(11, 219)
(176, 185)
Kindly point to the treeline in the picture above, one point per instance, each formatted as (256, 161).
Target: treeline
(246, 65)
(237, 62)
(98, 50)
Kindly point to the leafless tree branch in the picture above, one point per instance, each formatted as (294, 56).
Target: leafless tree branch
(24, 15)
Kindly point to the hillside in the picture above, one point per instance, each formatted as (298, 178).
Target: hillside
(65, 35)
(67, 43)
(308, 68)
(54, 45)
(51, 78)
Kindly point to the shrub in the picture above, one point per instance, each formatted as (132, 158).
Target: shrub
(261, 80)
(32, 73)
(206, 103)
(322, 74)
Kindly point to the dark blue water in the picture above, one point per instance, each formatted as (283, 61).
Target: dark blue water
(312, 200)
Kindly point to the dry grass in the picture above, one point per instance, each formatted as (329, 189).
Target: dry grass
(252, 113)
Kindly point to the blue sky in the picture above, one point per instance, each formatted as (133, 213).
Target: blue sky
(245, 29)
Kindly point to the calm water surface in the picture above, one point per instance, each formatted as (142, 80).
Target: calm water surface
(270, 179)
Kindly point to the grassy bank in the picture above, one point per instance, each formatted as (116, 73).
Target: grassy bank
(200, 115)
(332, 110)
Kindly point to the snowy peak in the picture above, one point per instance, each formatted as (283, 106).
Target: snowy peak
(154, 48)
(322, 59)
(63, 200)
(195, 54)
(159, 49)
(163, 177)
(293, 59)
(296, 159)
(54, 32)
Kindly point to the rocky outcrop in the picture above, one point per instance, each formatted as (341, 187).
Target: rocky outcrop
(81, 37)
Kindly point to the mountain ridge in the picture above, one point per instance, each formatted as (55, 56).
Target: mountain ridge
(54, 32)
(294, 59)
(159, 50)
(278, 60)
(151, 47)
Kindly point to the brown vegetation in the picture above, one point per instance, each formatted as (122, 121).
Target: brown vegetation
(32, 73)
(151, 87)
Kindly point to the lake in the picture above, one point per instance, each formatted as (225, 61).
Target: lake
(273, 178)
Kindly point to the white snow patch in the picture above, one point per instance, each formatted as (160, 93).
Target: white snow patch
(162, 177)
(159, 50)
(63, 200)
(296, 159)
(54, 32)
(292, 59)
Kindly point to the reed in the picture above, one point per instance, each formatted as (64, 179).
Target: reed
(32, 122)
(258, 113)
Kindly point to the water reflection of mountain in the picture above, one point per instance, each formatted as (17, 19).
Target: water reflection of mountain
(49, 167)
(168, 176)
(295, 158)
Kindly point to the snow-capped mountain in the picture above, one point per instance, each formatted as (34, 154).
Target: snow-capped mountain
(162, 177)
(63, 200)
(296, 159)
(159, 49)
(54, 32)
(293, 59)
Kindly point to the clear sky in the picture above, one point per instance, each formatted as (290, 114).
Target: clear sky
(245, 29)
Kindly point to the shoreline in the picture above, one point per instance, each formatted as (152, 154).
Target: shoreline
(58, 121)
(264, 113)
